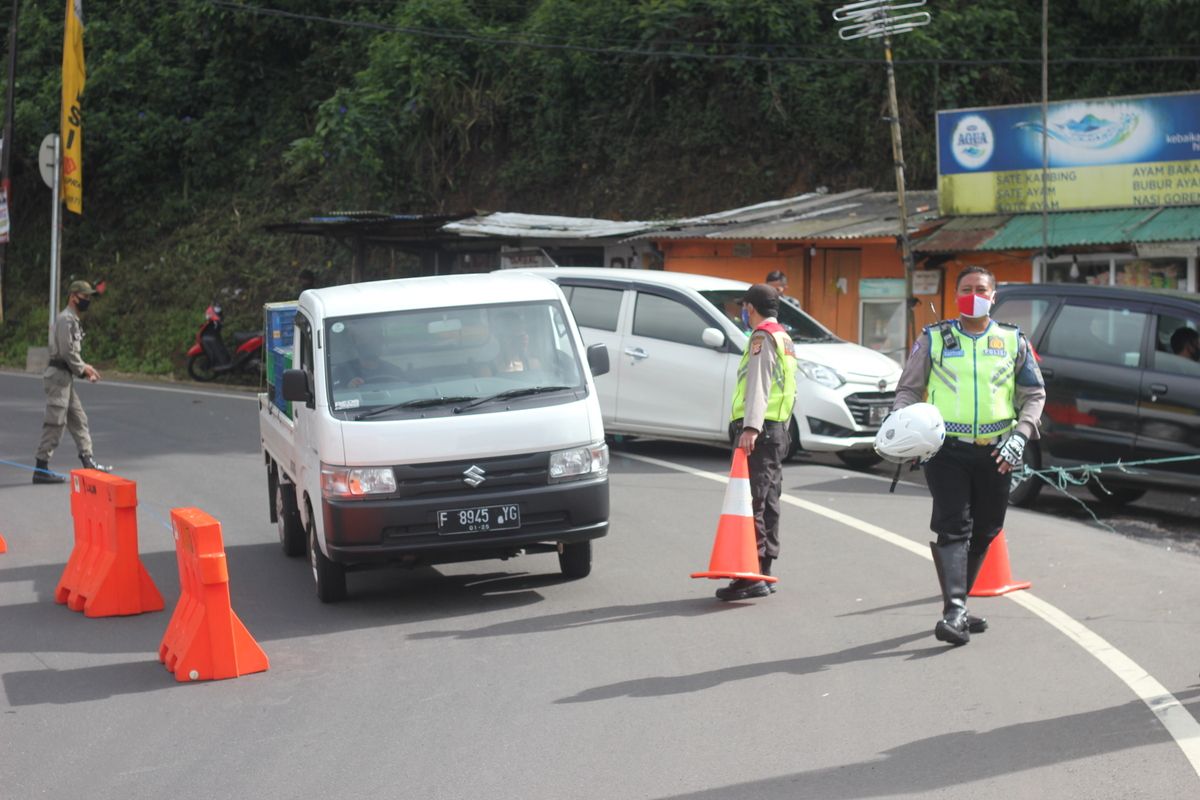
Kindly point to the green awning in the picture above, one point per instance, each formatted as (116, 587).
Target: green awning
(1082, 228)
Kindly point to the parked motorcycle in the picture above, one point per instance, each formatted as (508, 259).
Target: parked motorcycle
(209, 358)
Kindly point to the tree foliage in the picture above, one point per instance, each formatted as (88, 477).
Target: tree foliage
(205, 119)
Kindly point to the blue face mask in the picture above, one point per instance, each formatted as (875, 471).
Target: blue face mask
(745, 317)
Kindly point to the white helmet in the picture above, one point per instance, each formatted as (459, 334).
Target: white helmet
(915, 431)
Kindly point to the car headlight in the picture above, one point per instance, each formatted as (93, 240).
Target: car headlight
(579, 462)
(826, 376)
(355, 482)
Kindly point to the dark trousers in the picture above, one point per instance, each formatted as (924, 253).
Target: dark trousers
(766, 482)
(970, 496)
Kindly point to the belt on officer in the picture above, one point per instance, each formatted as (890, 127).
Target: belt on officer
(988, 442)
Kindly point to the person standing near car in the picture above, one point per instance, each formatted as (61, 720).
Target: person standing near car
(762, 407)
(984, 379)
(63, 408)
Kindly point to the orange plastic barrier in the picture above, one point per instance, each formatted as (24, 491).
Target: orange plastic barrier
(995, 576)
(735, 551)
(205, 640)
(104, 576)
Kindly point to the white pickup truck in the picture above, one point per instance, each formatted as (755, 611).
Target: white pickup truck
(432, 420)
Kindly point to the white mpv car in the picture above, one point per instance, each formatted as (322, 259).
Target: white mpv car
(676, 339)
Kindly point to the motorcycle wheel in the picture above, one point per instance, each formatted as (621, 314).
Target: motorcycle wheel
(200, 368)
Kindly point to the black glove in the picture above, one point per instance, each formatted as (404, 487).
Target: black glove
(1012, 449)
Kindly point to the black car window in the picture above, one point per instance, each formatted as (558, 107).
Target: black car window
(1174, 344)
(800, 326)
(1092, 333)
(595, 307)
(661, 318)
(1024, 312)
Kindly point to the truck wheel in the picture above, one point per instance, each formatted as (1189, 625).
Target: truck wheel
(287, 519)
(575, 560)
(329, 577)
(200, 368)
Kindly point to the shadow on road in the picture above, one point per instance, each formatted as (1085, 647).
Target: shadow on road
(962, 757)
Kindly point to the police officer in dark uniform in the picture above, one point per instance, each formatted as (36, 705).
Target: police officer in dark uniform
(762, 408)
(984, 379)
(63, 408)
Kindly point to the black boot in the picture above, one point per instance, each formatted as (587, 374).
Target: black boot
(974, 564)
(43, 474)
(950, 560)
(743, 589)
(90, 463)
(764, 568)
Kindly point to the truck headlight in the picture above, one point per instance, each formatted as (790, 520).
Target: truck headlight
(826, 376)
(579, 462)
(352, 482)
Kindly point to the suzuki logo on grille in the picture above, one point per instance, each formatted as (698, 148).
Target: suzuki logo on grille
(882, 384)
(474, 476)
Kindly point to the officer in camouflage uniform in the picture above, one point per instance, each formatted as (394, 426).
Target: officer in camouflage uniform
(63, 408)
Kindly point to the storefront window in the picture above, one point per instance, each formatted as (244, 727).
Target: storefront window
(1156, 273)
(1090, 272)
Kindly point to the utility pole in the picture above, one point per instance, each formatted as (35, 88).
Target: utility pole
(6, 149)
(874, 19)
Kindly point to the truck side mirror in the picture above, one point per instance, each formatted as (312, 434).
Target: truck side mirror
(295, 386)
(597, 357)
(712, 338)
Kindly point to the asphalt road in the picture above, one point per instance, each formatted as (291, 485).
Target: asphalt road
(501, 679)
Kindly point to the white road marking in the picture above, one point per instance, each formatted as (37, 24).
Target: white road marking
(1179, 723)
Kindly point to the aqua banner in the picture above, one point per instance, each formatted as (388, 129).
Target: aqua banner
(1106, 153)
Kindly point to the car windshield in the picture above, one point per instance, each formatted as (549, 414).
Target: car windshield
(800, 326)
(417, 363)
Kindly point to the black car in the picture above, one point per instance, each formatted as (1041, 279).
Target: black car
(1115, 388)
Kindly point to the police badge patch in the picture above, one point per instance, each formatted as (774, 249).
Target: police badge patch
(995, 347)
(756, 346)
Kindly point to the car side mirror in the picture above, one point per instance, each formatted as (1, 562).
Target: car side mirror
(296, 388)
(597, 358)
(712, 338)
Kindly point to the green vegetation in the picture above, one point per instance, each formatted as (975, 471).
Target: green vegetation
(205, 119)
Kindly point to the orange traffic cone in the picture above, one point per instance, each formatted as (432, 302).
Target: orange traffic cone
(995, 577)
(735, 551)
(3, 545)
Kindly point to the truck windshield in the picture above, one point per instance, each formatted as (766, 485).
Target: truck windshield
(406, 362)
(800, 326)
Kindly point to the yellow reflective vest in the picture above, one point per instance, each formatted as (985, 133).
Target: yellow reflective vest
(973, 384)
(782, 396)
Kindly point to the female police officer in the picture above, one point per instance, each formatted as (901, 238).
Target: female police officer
(984, 379)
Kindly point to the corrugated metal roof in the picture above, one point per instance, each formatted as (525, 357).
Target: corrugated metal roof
(859, 214)
(1082, 228)
(543, 226)
(960, 234)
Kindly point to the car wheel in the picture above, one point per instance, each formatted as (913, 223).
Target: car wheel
(859, 459)
(1116, 495)
(287, 520)
(329, 577)
(1024, 491)
(200, 368)
(575, 560)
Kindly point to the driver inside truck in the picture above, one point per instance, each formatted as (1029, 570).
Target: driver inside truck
(366, 366)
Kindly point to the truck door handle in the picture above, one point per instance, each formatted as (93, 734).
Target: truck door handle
(1158, 388)
(636, 352)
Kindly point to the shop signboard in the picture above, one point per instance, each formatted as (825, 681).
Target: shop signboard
(1105, 153)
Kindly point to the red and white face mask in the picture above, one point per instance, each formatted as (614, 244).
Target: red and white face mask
(974, 306)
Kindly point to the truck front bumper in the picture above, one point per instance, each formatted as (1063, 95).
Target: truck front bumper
(405, 529)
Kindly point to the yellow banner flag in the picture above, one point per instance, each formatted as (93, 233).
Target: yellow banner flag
(73, 77)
